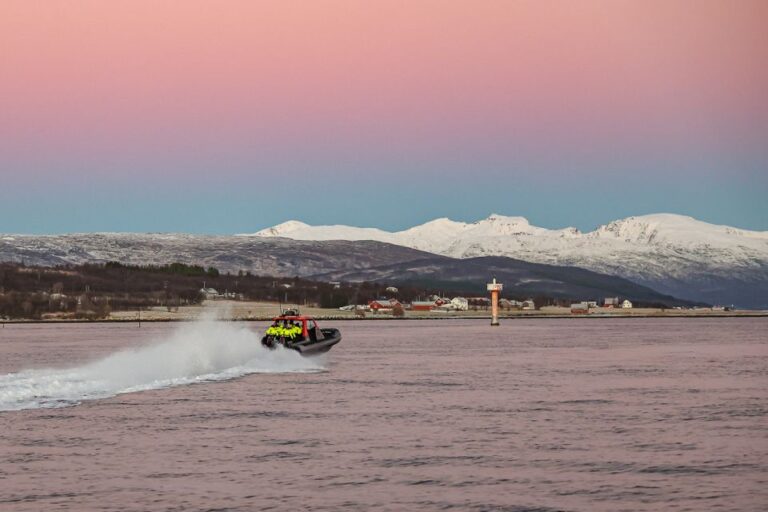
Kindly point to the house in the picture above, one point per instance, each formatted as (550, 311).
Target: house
(611, 302)
(455, 304)
(460, 303)
(422, 305)
(626, 305)
(510, 304)
(580, 308)
(529, 304)
(591, 303)
(209, 293)
(479, 303)
(382, 304)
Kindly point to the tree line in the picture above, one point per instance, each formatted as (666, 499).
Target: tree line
(94, 290)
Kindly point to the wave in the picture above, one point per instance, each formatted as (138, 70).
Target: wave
(205, 350)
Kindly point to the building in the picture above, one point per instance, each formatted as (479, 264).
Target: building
(209, 293)
(477, 303)
(460, 303)
(382, 305)
(626, 305)
(529, 304)
(580, 308)
(611, 302)
(422, 305)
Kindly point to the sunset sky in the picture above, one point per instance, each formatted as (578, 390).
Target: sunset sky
(228, 116)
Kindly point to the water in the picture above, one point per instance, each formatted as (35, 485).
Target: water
(536, 415)
(203, 351)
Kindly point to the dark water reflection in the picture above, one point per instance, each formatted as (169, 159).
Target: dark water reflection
(537, 415)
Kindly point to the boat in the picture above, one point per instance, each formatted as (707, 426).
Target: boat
(313, 339)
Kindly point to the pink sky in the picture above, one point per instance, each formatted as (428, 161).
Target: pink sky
(418, 75)
(95, 87)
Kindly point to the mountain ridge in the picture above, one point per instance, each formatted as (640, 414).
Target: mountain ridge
(674, 254)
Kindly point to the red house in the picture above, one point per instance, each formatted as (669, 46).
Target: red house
(382, 304)
(422, 306)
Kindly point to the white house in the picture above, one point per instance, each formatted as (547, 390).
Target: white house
(626, 305)
(459, 304)
(580, 308)
(209, 293)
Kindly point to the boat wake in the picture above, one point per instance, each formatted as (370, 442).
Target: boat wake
(198, 352)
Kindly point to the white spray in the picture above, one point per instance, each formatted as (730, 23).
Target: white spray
(205, 350)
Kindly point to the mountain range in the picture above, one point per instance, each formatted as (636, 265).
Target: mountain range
(268, 257)
(673, 254)
(325, 260)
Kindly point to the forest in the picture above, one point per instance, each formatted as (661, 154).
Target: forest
(94, 290)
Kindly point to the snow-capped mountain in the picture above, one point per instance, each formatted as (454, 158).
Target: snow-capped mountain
(671, 254)
(262, 256)
(331, 260)
(674, 254)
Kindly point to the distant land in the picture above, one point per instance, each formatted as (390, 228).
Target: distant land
(98, 291)
(676, 258)
(673, 254)
(520, 279)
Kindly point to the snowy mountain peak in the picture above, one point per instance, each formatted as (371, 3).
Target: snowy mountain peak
(283, 229)
(504, 223)
(662, 250)
(672, 228)
(441, 226)
(495, 218)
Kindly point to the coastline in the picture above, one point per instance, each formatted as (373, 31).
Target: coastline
(231, 311)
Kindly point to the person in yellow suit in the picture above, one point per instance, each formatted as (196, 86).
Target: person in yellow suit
(274, 330)
(298, 331)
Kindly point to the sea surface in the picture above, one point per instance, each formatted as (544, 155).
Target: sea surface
(534, 415)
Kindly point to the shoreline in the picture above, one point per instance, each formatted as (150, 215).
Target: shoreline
(324, 318)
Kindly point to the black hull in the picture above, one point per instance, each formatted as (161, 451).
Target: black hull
(307, 347)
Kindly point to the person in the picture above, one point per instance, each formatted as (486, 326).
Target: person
(272, 334)
(273, 330)
(298, 331)
(285, 331)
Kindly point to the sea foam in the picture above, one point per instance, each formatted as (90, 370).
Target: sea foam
(205, 350)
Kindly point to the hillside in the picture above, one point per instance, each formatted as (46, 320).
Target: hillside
(272, 257)
(674, 254)
(521, 279)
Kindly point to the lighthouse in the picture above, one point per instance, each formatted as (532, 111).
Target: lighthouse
(494, 288)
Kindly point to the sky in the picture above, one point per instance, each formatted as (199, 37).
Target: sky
(229, 116)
